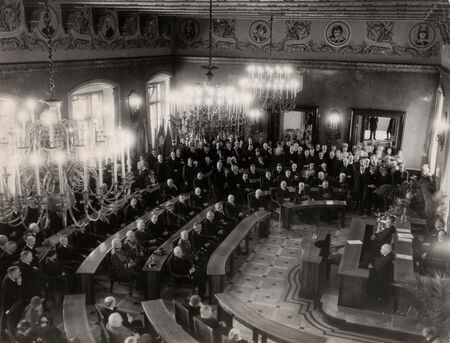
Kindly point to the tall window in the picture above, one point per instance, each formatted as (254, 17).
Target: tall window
(157, 105)
(433, 150)
(95, 102)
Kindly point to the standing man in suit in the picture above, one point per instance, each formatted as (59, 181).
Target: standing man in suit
(373, 125)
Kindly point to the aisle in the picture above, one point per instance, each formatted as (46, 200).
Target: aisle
(267, 281)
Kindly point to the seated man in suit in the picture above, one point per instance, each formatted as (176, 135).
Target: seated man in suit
(85, 241)
(301, 194)
(180, 265)
(133, 249)
(257, 202)
(30, 245)
(110, 307)
(199, 200)
(183, 209)
(170, 190)
(116, 330)
(122, 265)
(325, 192)
(185, 245)
(381, 272)
(207, 318)
(144, 238)
(222, 219)
(67, 255)
(231, 209)
(132, 211)
(200, 241)
(156, 230)
(211, 228)
(283, 194)
(267, 181)
(201, 182)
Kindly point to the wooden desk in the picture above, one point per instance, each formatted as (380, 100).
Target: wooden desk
(216, 269)
(154, 270)
(352, 285)
(164, 323)
(76, 323)
(231, 308)
(403, 270)
(312, 269)
(289, 207)
(89, 266)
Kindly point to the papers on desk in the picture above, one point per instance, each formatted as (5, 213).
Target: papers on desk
(354, 241)
(404, 230)
(405, 235)
(405, 257)
(405, 240)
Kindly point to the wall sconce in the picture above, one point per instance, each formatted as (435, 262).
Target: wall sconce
(441, 131)
(334, 119)
(134, 102)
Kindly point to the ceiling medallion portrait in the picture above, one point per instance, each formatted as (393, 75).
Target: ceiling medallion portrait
(337, 33)
(189, 29)
(422, 35)
(259, 31)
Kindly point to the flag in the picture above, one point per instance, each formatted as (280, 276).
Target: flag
(168, 142)
(161, 140)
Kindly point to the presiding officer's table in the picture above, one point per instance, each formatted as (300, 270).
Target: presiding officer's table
(288, 208)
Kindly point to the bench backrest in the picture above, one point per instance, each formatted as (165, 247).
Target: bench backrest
(182, 316)
(218, 259)
(164, 323)
(203, 332)
(76, 323)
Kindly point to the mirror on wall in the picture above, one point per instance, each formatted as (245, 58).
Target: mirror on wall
(375, 127)
(300, 123)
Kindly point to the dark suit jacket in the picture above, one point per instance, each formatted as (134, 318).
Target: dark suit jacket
(382, 267)
(231, 211)
(255, 203)
(209, 228)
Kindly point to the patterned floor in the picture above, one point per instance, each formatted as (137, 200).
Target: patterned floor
(267, 282)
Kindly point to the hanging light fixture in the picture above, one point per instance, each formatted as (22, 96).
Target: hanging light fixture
(275, 86)
(207, 109)
(53, 164)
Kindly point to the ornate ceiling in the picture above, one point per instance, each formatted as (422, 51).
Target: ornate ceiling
(419, 10)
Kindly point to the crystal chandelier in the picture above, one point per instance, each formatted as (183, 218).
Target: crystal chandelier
(208, 109)
(275, 86)
(53, 164)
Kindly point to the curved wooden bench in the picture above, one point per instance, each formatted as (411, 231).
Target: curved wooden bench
(164, 323)
(352, 285)
(89, 266)
(76, 323)
(289, 207)
(155, 263)
(231, 308)
(216, 269)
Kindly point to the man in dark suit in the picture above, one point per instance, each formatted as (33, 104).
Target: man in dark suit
(267, 181)
(156, 230)
(201, 182)
(381, 272)
(256, 201)
(182, 208)
(218, 181)
(189, 175)
(10, 292)
(170, 190)
(132, 211)
(231, 209)
(67, 255)
(173, 166)
(211, 228)
(159, 169)
(283, 193)
(31, 277)
(373, 125)
(200, 241)
(198, 200)
(383, 234)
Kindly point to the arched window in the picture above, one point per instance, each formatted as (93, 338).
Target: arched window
(157, 105)
(96, 102)
(433, 150)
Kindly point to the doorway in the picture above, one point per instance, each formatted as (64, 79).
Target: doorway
(300, 123)
(373, 127)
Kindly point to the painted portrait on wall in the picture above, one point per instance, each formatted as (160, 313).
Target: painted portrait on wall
(49, 18)
(107, 26)
(379, 31)
(189, 29)
(260, 32)
(422, 35)
(10, 15)
(337, 33)
(149, 28)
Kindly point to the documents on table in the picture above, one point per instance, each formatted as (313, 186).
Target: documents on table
(405, 240)
(404, 230)
(405, 235)
(354, 241)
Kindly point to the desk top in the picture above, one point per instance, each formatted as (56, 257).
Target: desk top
(349, 265)
(168, 244)
(76, 324)
(252, 319)
(164, 323)
(218, 259)
(95, 258)
(316, 203)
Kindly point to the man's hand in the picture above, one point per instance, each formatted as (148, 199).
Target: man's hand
(192, 270)
(370, 266)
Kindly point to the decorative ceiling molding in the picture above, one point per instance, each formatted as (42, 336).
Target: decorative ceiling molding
(299, 9)
(318, 65)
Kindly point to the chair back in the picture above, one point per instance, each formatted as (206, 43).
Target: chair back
(203, 332)
(182, 316)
